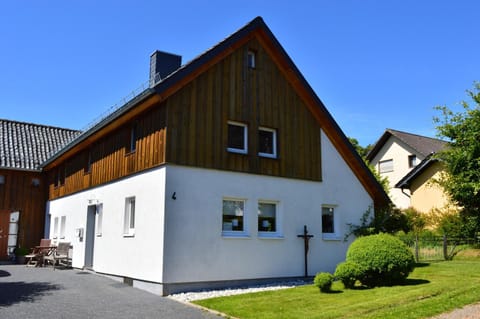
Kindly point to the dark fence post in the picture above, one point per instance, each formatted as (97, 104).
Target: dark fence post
(416, 248)
(445, 251)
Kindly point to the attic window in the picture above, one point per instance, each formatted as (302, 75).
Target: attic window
(267, 142)
(412, 161)
(237, 137)
(133, 138)
(251, 59)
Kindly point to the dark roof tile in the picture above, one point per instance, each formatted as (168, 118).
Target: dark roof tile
(24, 146)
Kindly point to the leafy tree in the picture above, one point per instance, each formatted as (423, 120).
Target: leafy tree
(363, 151)
(462, 156)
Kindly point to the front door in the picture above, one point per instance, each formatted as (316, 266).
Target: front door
(90, 236)
(4, 230)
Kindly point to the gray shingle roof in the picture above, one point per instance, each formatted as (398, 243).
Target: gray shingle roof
(24, 146)
(423, 145)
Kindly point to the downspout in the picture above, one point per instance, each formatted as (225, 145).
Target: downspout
(403, 192)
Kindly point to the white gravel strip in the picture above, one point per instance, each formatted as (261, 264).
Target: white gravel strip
(205, 294)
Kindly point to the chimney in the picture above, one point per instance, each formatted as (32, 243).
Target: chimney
(162, 64)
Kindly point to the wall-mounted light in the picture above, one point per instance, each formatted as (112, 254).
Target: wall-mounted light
(174, 195)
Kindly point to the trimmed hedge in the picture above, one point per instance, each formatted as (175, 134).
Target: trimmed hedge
(348, 272)
(323, 280)
(383, 259)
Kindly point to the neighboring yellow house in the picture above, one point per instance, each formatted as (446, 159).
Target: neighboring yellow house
(425, 194)
(396, 155)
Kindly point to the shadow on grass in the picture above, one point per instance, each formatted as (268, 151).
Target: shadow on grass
(16, 292)
(332, 292)
(421, 265)
(414, 282)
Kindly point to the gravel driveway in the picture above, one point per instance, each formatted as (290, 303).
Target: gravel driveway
(43, 293)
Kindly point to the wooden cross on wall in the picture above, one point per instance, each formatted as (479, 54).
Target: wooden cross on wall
(306, 238)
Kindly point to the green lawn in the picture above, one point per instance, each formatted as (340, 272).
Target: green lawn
(431, 289)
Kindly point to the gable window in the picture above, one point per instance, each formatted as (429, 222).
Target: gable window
(251, 59)
(267, 217)
(237, 137)
(329, 223)
(233, 216)
(385, 166)
(129, 217)
(412, 161)
(267, 142)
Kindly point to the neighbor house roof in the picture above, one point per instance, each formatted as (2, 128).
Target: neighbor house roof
(24, 146)
(406, 181)
(423, 145)
(186, 73)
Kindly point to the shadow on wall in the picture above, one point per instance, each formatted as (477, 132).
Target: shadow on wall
(15, 292)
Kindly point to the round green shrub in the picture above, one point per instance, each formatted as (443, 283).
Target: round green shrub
(384, 259)
(323, 280)
(348, 272)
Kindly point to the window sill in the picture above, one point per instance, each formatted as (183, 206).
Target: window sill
(331, 237)
(237, 151)
(129, 235)
(266, 155)
(265, 235)
(233, 234)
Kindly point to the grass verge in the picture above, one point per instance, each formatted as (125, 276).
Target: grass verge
(430, 290)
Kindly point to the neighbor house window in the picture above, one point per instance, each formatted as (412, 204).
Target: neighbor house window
(129, 219)
(63, 224)
(237, 137)
(99, 220)
(233, 215)
(251, 59)
(385, 166)
(267, 217)
(328, 220)
(267, 142)
(55, 227)
(412, 161)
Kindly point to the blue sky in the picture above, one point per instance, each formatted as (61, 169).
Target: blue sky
(374, 64)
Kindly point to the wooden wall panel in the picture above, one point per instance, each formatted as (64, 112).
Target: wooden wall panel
(111, 158)
(230, 90)
(20, 194)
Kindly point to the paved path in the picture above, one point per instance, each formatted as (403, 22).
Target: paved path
(43, 293)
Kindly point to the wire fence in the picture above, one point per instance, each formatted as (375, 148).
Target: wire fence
(438, 248)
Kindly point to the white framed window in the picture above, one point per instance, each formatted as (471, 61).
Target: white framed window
(129, 218)
(233, 217)
(251, 59)
(412, 161)
(268, 219)
(63, 224)
(55, 228)
(99, 220)
(330, 223)
(385, 166)
(267, 142)
(237, 137)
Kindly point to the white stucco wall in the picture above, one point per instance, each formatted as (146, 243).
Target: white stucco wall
(195, 249)
(138, 257)
(399, 152)
(180, 240)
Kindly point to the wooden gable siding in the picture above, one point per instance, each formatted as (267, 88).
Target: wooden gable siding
(259, 97)
(19, 193)
(110, 157)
